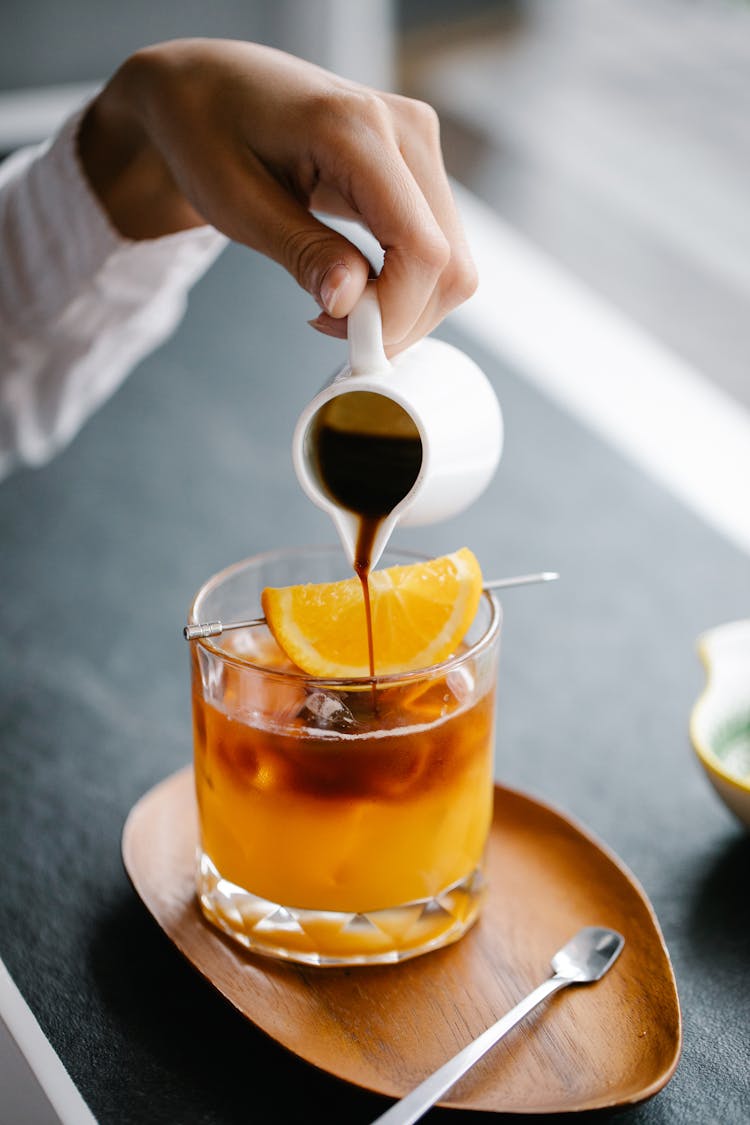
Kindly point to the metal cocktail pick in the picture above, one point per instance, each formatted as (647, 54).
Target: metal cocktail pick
(216, 628)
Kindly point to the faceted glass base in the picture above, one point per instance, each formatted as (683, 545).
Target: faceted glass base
(329, 938)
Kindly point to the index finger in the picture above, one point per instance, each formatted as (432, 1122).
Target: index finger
(419, 142)
(383, 191)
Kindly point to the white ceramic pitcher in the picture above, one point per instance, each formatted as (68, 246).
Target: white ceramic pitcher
(450, 402)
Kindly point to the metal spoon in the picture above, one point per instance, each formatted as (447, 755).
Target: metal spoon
(583, 960)
(216, 628)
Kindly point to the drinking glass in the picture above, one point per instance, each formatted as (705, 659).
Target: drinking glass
(341, 821)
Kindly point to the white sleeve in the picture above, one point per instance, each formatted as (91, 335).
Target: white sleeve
(79, 305)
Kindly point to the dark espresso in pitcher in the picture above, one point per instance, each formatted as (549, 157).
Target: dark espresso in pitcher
(367, 453)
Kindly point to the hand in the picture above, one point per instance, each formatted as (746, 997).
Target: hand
(252, 140)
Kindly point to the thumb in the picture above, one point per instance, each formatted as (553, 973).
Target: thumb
(324, 263)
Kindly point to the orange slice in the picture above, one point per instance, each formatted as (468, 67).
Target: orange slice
(420, 614)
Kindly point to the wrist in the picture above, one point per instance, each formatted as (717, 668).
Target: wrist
(123, 166)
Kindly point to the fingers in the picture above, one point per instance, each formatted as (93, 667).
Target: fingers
(395, 180)
(419, 142)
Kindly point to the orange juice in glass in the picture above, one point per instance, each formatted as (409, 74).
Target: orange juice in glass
(332, 831)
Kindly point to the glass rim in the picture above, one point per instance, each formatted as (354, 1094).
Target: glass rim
(443, 668)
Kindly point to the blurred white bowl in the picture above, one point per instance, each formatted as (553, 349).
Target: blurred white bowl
(720, 720)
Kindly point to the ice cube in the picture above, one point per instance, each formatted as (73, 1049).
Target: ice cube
(460, 682)
(326, 712)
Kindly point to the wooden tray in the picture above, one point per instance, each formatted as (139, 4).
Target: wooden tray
(385, 1028)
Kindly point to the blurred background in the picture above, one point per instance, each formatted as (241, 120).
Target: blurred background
(613, 134)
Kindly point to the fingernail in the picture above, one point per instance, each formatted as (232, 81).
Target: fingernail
(334, 282)
(323, 324)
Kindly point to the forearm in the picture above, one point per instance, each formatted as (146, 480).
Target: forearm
(79, 304)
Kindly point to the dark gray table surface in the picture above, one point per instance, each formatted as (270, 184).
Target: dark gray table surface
(188, 469)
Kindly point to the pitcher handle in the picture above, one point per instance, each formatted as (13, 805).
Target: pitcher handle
(365, 331)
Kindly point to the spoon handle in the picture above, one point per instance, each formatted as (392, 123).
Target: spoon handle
(416, 1103)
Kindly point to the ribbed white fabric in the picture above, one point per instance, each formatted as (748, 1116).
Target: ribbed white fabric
(79, 305)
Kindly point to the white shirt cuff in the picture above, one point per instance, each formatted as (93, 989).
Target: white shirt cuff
(79, 304)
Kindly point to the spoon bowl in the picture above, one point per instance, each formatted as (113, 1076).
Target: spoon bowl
(588, 955)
